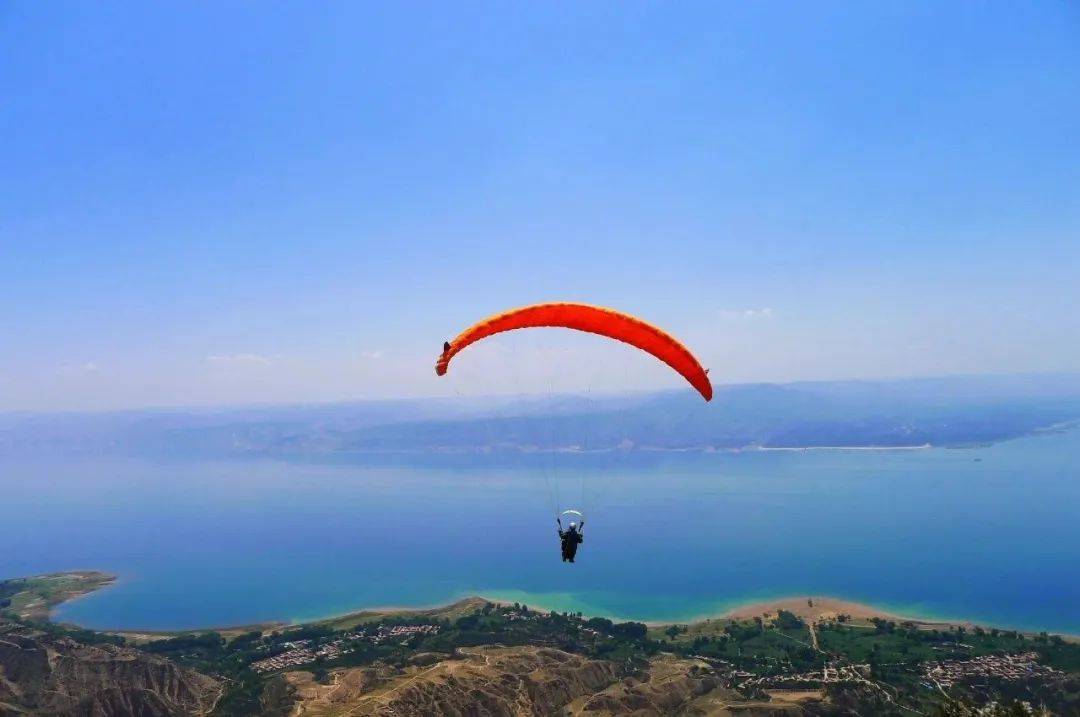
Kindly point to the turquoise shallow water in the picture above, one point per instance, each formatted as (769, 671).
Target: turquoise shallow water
(990, 534)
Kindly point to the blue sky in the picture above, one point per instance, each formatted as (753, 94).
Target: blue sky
(206, 203)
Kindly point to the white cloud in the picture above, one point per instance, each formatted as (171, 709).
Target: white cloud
(81, 369)
(371, 355)
(239, 360)
(762, 313)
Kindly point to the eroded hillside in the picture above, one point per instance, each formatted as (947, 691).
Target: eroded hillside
(45, 674)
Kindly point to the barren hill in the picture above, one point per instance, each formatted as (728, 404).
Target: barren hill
(516, 681)
(41, 674)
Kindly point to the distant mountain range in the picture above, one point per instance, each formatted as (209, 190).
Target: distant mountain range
(936, 411)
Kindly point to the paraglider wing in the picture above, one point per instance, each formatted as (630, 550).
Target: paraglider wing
(590, 319)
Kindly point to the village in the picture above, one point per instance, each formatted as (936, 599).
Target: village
(303, 652)
(814, 678)
(1003, 667)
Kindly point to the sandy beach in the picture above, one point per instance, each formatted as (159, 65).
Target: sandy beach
(812, 608)
(817, 609)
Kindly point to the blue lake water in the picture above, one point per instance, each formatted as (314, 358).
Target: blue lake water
(990, 534)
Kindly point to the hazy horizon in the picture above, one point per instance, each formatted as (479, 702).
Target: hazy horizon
(541, 394)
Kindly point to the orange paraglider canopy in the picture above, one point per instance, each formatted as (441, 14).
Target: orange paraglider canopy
(591, 319)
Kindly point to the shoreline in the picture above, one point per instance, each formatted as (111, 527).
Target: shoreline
(812, 608)
(707, 450)
(921, 447)
(824, 607)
